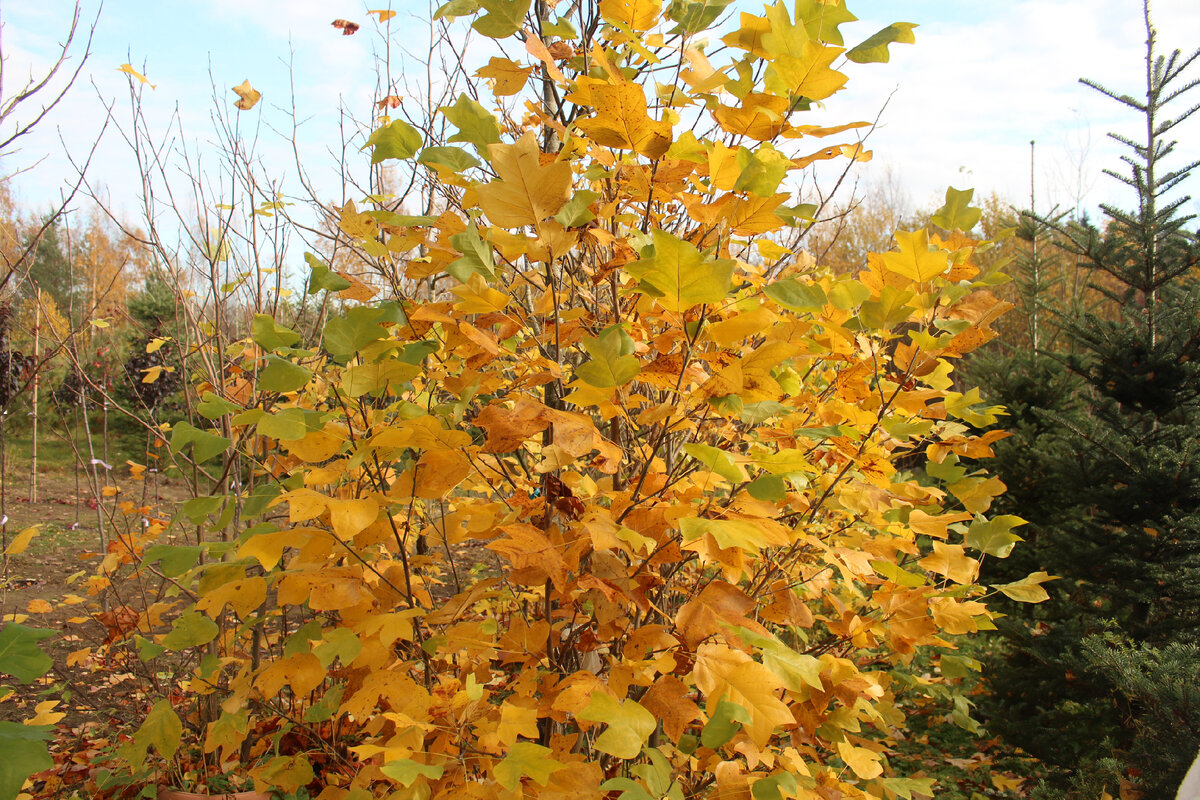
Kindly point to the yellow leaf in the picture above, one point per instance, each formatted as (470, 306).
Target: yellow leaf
(723, 673)
(1007, 782)
(622, 120)
(508, 76)
(749, 36)
(976, 493)
(865, 763)
(761, 116)
(248, 96)
(537, 48)
(807, 75)
(638, 15)
(268, 547)
(359, 226)
(129, 70)
(349, 517)
(22, 540)
(243, 596)
(915, 260)
(110, 491)
(46, 715)
(384, 14)
(439, 471)
(78, 657)
(154, 344)
(526, 192)
(518, 717)
(152, 373)
(952, 561)
(39, 606)
(479, 298)
(304, 504)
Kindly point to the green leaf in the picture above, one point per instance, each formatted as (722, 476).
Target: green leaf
(796, 295)
(769, 788)
(717, 460)
(955, 667)
(503, 17)
(196, 510)
(822, 18)
(475, 125)
(280, 375)
(629, 725)
(1028, 589)
(694, 16)
(19, 654)
(798, 671)
(907, 787)
(175, 559)
(161, 730)
(724, 724)
(204, 445)
(329, 704)
(957, 214)
(192, 629)
(270, 335)
(476, 257)
(365, 378)
(848, 294)
(323, 277)
(994, 536)
(613, 362)
(559, 27)
(25, 752)
(345, 336)
(526, 759)
(456, 8)
(455, 158)
(397, 140)
(404, 771)
(897, 574)
(629, 789)
(213, 407)
(768, 488)
(338, 643)
(287, 425)
(875, 49)
(888, 311)
(762, 171)
(146, 649)
(676, 273)
(743, 534)
(576, 213)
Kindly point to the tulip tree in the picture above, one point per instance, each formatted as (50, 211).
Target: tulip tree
(618, 495)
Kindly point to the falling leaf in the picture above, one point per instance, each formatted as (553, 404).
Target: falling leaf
(129, 70)
(247, 94)
(384, 14)
(347, 27)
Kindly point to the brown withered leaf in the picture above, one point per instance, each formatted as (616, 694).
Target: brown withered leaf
(718, 604)
(670, 700)
(347, 27)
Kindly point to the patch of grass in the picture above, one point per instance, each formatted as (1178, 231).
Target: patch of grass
(61, 451)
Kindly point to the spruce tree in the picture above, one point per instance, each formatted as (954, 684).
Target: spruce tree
(1117, 480)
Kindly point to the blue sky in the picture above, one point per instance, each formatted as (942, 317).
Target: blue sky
(981, 81)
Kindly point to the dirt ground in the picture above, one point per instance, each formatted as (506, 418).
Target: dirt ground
(44, 586)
